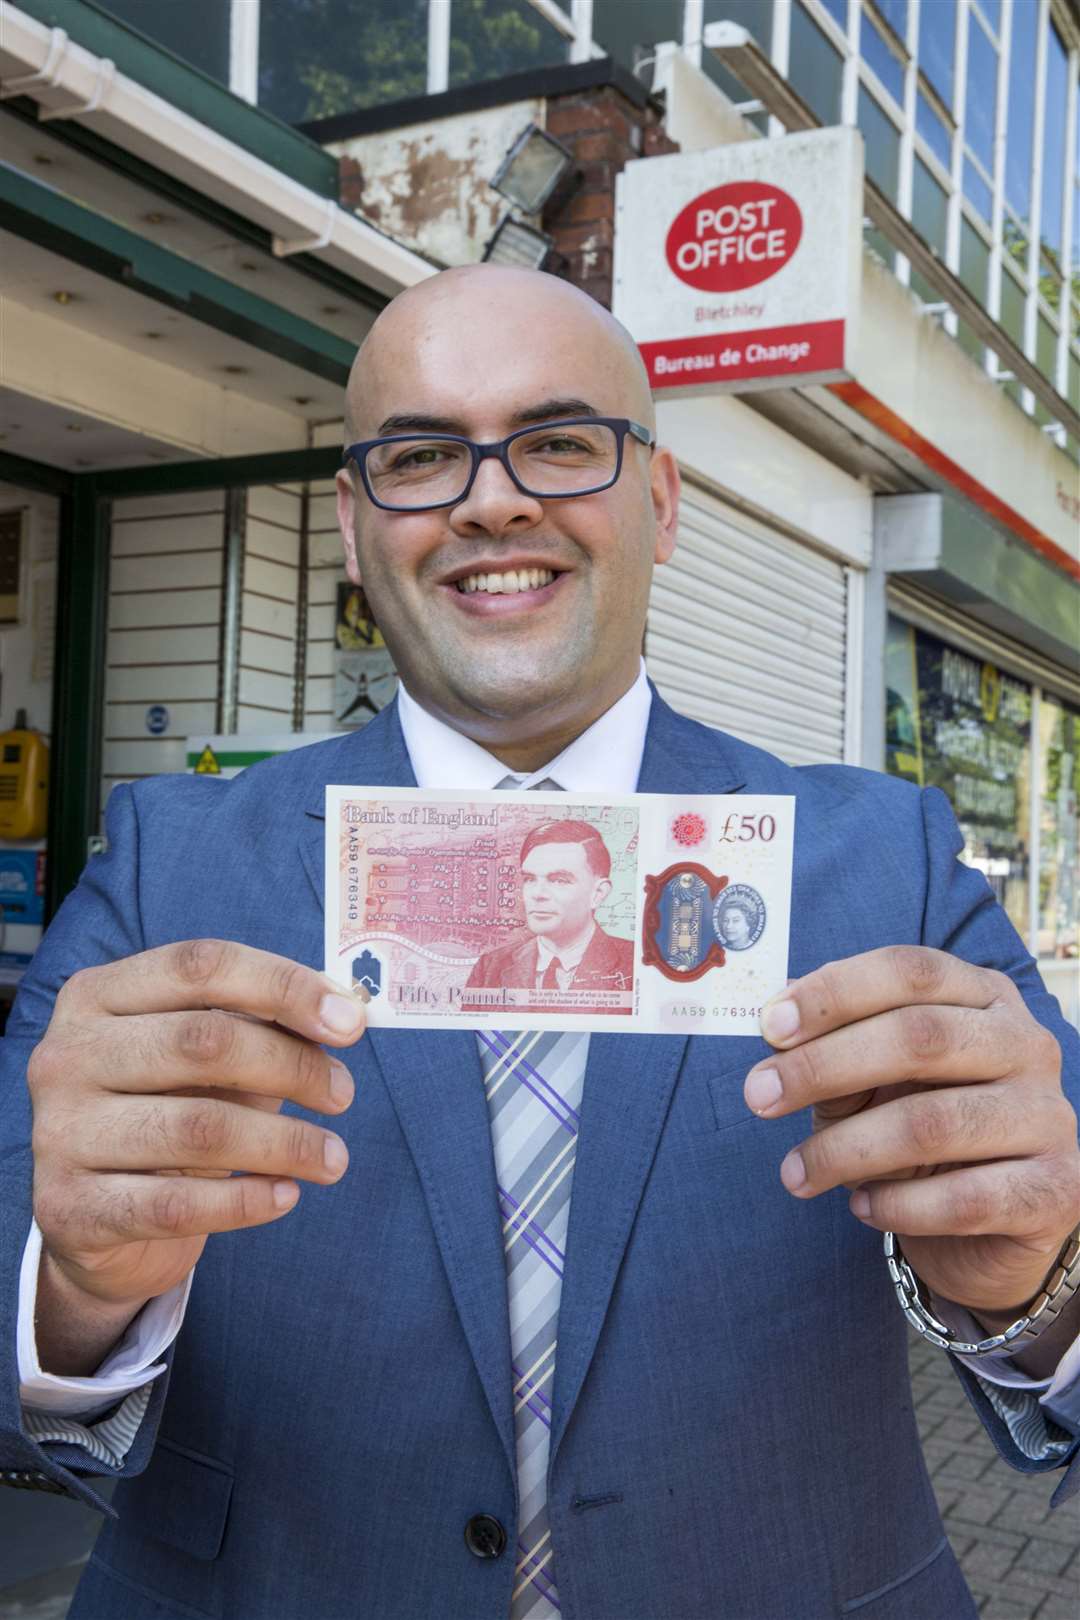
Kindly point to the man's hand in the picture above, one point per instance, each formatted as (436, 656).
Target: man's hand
(158, 1076)
(937, 1100)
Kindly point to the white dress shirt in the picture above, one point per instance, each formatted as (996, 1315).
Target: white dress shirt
(605, 759)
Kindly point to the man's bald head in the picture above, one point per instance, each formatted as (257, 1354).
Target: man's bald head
(494, 310)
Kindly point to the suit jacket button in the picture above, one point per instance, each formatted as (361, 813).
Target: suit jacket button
(484, 1536)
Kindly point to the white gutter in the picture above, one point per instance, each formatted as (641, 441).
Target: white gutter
(68, 81)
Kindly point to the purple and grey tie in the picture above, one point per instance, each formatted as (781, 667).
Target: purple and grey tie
(534, 1083)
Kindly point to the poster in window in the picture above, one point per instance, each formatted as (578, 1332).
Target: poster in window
(364, 676)
(961, 724)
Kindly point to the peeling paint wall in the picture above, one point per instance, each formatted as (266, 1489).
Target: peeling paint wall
(428, 185)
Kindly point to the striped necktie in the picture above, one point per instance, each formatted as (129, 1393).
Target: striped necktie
(534, 1084)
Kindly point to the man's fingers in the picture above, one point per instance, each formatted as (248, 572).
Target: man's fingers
(875, 982)
(207, 1133)
(216, 973)
(132, 1209)
(1017, 1198)
(922, 1043)
(926, 1128)
(155, 1052)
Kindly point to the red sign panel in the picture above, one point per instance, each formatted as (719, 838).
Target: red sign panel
(717, 357)
(734, 236)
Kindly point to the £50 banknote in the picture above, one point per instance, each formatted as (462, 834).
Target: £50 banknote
(645, 912)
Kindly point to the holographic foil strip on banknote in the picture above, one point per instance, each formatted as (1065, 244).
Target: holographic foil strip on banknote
(647, 912)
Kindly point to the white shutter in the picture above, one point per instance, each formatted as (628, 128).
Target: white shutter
(747, 632)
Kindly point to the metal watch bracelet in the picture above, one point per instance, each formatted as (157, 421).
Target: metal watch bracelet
(1062, 1285)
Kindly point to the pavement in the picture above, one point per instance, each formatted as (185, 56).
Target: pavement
(1021, 1561)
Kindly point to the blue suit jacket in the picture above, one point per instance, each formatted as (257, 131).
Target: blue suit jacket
(733, 1431)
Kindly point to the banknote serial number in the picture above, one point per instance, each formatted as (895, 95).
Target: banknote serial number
(698, 1010)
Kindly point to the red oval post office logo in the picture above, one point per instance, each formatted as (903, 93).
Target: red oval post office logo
(734, 236)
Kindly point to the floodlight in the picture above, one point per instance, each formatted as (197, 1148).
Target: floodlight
(531, 169)
(515, 243)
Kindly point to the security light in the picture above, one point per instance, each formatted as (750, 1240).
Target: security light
(515, 243)
(531, 169)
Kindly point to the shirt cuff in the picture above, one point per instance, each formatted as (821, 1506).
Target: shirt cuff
(133, 1362)
(999, 1368)
(107, 1441)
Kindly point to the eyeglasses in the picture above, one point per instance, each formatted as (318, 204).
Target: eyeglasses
(413, 473)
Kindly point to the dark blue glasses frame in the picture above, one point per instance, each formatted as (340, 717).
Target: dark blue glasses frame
(500, 451)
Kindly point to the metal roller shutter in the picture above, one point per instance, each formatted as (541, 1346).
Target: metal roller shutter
(747, 631)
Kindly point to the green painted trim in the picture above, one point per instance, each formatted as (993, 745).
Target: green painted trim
(36, 475)
(192, 91)
(228, 761)
(92, 145)
(225, 472)
(41, 215)
(78, 710)
(1031, 599)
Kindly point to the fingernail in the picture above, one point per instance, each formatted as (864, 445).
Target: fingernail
(859, 1203)
(285, 1194)
(335, 1155)
(762, 1089)
(793, 1171)
(780, 1020)
(340, 1015)
(341, 1083)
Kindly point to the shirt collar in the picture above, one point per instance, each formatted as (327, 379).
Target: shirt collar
(604, 759)
(572, 958)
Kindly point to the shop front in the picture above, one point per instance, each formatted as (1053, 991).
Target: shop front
(999, 734)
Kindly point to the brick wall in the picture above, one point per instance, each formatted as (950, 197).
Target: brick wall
(603, 130)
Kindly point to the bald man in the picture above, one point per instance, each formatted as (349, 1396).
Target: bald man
(598, 1328)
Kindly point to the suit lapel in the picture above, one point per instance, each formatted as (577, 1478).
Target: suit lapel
(628, 1089)
(436, 1085)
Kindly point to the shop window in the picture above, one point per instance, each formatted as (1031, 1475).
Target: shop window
(981, 106)
(490, 38)
(1021, 112)
(816, 70)
(937, 46)
(1059, 830)
(1056, 109)
(878, 54)
(933, 131)
(197, 31)
(315, 62)
(962, 725)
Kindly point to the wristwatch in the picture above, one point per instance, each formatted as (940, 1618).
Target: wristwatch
(1042, 1312)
